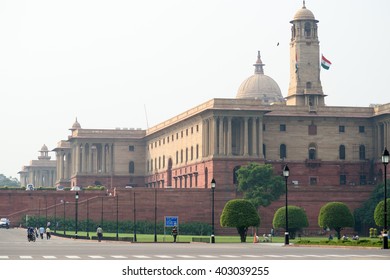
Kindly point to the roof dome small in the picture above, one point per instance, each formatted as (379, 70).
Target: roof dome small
(304, 14)
(260, 86)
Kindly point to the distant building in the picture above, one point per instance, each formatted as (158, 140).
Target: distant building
(41, 172)
(323, 145)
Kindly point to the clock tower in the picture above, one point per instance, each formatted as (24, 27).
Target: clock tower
(305, 85)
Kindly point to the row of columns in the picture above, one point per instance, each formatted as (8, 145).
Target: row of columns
(382, 131)
(88, 158)
(228, 136)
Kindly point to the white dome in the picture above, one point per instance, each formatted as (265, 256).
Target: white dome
(260, 87)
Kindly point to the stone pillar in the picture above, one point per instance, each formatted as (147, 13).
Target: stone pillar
(215, 136)
(220, 135)
(104, 164)
(260, 136)
(229, 136)
(254, 137)
(246, 142)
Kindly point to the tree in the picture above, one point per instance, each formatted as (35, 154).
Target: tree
(9, 182)
(241, 214)
(335, 215)
(259, 184)
(379, 213)
(364, 216)
(297, 219)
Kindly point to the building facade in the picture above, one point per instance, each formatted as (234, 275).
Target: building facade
(323, 145)
(41, 172)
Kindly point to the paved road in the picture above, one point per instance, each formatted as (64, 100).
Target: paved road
(14, 246)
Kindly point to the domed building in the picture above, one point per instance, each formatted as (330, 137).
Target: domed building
(41, 172)
(330, 150)
(260, 87)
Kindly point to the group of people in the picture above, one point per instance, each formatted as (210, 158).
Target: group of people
(33, 233)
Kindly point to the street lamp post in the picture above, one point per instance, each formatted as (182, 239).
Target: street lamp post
(212, 210)
(385, 161)
(76, 212)
(88, 218)
(117, 217)
(63, 201)
(135, 219)
(155, 215)
(286, 173)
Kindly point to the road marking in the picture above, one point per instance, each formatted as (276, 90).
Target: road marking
(25, 257)
(164, 256)
(4, 257)
(49, 257)
(185, 256)
(141, 257)
(119, 257)
(229, 256)
(206, 256)
(96, 257)
(251, 256)
(72, 257)
(273, 256)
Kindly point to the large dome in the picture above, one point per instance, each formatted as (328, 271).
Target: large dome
(260, 86)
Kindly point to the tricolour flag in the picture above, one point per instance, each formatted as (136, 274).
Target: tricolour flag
(325, 63)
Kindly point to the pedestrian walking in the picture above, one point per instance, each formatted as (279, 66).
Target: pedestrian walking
(48, 233)
(41, 231)
(99, 232)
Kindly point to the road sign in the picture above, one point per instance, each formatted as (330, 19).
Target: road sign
(171, 221)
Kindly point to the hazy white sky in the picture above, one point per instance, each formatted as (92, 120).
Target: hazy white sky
(137, 63)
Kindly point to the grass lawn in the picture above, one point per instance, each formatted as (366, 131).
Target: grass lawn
(322, 240)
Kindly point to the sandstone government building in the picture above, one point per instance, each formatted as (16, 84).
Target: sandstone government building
(328, 149)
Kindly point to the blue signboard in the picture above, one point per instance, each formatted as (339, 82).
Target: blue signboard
(171, 221)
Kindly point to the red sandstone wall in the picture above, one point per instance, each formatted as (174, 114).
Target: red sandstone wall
(188, 204)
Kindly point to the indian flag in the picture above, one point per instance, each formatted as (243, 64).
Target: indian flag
(325, 63)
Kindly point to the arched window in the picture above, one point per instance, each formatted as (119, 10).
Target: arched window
(283, 151)
(342, 152)
(362, 152)
(131, 167)
(307, 29)
(312, 151)
(235, 169)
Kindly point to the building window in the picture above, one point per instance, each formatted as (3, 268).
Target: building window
(341, 128)
(131, 167)
(343, 179)
(312, 152)
(282, 127)
(131, 148)
(264, 151)
(181, 156)
(342, 152)
(313, 181)
(177, 157)
(283, 151)
(312, 129)
(263, 126)
(192, 152)
(163, 161)
(361, 128)
(186, 154)
(363, 180)
(235, 169)
(362, 152)
(197, 151)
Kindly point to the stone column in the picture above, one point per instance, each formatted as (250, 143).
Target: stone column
(104, 158)
(229, 136)
(215, 136)
(246, 142)
(254, 137)
(260, 142)
(220, 135)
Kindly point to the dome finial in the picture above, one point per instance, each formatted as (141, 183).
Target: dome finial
(259, 64)
(304, 4)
